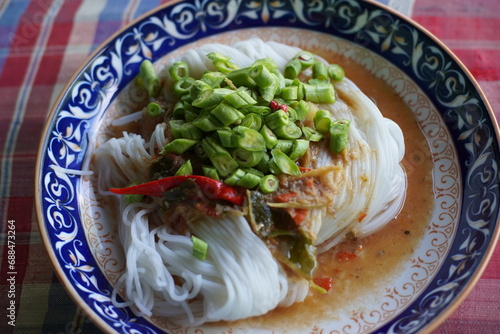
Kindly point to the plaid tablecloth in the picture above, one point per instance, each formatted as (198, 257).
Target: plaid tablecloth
(43, 42)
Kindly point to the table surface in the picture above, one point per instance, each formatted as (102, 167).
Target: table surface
(43, 42)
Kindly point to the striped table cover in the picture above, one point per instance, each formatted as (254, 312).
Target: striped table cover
(43, 42)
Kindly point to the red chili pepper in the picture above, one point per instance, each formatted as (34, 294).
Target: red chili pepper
(286, 197)
(324, 282)
(346, 256)
(298, 215)
(213, 189)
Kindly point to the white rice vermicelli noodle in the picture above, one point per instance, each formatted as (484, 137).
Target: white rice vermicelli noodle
(240, 278)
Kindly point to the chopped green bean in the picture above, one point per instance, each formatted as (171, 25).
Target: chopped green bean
(270, 91)
(320, 71)
(219, 156)
(185, 169)
(191, 131)
(262, 76)
(263, 164)
(319, 93)
(240, 99)
(299, 148)
(210, 172)
(178, 70)
(234, 177)
(259, 110)
(252, 121)
(179, 146)
(284, 145)
(214, 79)
(311, 134)
(227, 138)
(339, 135)
(175, 127)
(249, 181)
(183, 86)
(241, 77)
(276, 119)
(222, 63)
(302, 109)
(336, 72)
(322, 120)
(153, 109)
(207, 122)
(290, 93)
(306, 59)
(269, 137)
(269, 184)
(149, 78)
(211, 97)
(288, 131)
(200, 248)
(283, 163)
(190, 115)
(197, 88)
(269, 63)
(249, 139)
(246, 158)
(292, 69)
(226, 114)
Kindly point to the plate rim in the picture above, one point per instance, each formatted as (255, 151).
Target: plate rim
(51, 118)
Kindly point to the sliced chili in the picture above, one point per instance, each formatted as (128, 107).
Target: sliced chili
(325, 283)
(213, 189)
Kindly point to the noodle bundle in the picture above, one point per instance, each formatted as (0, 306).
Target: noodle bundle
(240, 276)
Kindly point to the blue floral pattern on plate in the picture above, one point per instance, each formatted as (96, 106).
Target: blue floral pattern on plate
(391, 36)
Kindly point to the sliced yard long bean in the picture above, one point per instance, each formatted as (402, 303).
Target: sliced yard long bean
(178, 70)
(149, 78)
(249, 124)
(322, 120)
(153, 109)
(338, 135)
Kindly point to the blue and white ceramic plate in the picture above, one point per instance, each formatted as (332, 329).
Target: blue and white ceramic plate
(449, 107)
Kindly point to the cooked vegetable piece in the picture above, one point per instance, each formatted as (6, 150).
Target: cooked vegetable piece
(288, 131)
(322, 120)
(292, 69)
(149, 78)
(336, 72)
(276, 119)
(153, 109)
(320, 71)
(249, 139)
(226, 114)
(283, 163)
(213, 189)
(179, 146)
(299, 148)
(268, 184)
(178, 70)
(200, 248)
(338, 135)
(185, 169)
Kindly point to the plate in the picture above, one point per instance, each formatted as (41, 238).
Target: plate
(79, 232)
